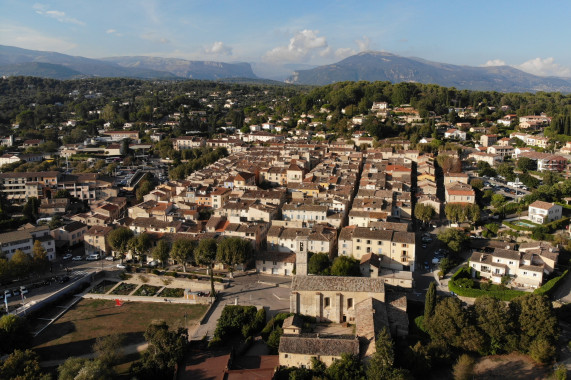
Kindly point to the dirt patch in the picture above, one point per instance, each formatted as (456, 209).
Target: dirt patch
(75, 332)
(512, 366)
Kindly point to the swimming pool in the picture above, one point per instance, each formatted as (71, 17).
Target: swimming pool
(524, 223)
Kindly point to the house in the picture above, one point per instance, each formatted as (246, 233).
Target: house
(454, 133)
(277, 263)
(188, 142)
(24, 238)
(95, 241)
(319, 238)
(453, 178)
(501, 150)
(9, 158)
(488, 140)
(70, 234)
(53, 206)
(460, 193)
(543, 212)
(121, 135)
(546, 161)
(491, 159)
(396, 249)
(18, 187)
(297, 350)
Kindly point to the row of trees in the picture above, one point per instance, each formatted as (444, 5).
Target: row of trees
(320, 264)
(21, 264)
(229, 251)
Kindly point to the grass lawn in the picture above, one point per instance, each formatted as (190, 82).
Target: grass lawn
(75, 332)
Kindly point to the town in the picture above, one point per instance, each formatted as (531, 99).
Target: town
(350, 230)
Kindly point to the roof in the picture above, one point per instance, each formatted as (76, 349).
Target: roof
(337, 284)
(315, 345)
(99, 231)
(73, 226)
(542, 205)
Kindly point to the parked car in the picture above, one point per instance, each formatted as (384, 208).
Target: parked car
(93, 257)
(424, 246)
(7, 293)
(121, 266)
(67, 256)
(109, 258)
(16, 292)
(77, 258)
(426, 265)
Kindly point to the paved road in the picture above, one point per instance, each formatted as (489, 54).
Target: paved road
(252, 289)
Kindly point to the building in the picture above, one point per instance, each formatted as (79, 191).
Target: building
(460, 193)
(276, 263)
(297, 350)
(546, 161)
(121, 135)
(454, 133)
(543, 212)
(488, 140)
(188, 142)
(333, 298)
(18, 187)
(96, 241)
(24, 238)
(70, 234)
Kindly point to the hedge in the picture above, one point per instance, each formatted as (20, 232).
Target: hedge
(550, 286)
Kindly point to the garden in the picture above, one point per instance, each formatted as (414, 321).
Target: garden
(147, 290)
(124, 289)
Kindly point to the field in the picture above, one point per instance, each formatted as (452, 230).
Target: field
(512, 366)
(75, 332)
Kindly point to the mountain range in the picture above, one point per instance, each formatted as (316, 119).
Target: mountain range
(381, 66)
(366, 66)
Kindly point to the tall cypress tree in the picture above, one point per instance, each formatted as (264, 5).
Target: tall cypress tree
(430, 302)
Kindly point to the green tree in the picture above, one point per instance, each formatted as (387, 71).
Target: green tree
(496, 321)
(498, 200)
(139, 245)
(119, 240)
(345, 266)
(319, 263)
(69, 369)
(233, 251)
(464, 368)
(40, 257)
(161, 252)
(166, 348)
(542, 350)
(22, 365)
(21, 263)
(454, 239)
(526, 164)
(108, 349)
(424, 213)
(429, 302)
(144, 188)
(14, 333)
(94, 370)
(182, 251)
(30, 209)
(536, 319)
(348, 367)
(205, 254)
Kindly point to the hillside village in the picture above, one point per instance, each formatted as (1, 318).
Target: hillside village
(359, 204)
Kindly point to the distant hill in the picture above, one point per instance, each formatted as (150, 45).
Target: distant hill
(39, 69)
(17, 61)
(381, 66)
(187, 69)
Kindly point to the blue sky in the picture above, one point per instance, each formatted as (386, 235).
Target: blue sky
(531, 35)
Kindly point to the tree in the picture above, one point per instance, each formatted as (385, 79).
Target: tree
(108, 349)
(205, 254)
(498, 200)
(22, 365)
(69, 369)
(166, 348)
(30, 209)
(542, 350)
(453, 238)
(144, 188)
(348, 367)
(526, 164)
(182, 251)
(345, 266)
(94, 370)
(496, 322)
(429, 302)
(40, 257)
(119, 240)
(464, 368)
(536, 319)
(14, 333)
(161, 252)
(318, 263)
(21, 263)
(234, 250)
(424, 213)
(139, 245)
(62, 194)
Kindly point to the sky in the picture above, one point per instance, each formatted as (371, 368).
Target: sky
(531, 35)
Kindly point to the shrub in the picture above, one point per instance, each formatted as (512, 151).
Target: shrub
(550, 286)
(464, 368)
(465, 283)
(167, 281)
(156, 272)
(234, 321)
(172, 274)
(542, 351)
(144, 279)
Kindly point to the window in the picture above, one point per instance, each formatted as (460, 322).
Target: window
(327, 302)
(404, 245)
(275, 263)
(358, 247)
(368, 242)
(358, 240)
(285, 355)
(379, 242)
(349, 303)
(511, 262)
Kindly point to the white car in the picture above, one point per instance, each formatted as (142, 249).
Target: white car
(121, 266)
(109, 258)
(77, 258)
(67, 256)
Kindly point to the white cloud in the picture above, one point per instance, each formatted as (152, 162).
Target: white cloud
(363, 44)
(494, 62)
(28, 38)
(113, 32)
(302, 46)
(154, 38)
(544, 67)
(60, 16)
(218, 48)
(344, 53)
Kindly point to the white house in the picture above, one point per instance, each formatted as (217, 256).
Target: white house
(454, 133)
(541, 212)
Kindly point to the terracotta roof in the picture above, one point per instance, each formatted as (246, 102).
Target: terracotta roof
(542, 205)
